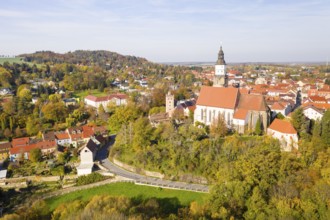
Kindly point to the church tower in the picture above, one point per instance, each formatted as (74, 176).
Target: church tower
(220, 75)
(169, 103)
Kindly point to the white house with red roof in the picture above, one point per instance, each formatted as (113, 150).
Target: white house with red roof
(285, 133)
(118, 99)
(311, 112)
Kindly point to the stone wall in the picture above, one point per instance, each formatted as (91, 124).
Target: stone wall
(138, 170)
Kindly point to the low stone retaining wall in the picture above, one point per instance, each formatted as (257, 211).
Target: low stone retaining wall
(138, 170)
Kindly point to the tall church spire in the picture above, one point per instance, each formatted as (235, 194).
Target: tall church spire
(221, 57)
(220, 77)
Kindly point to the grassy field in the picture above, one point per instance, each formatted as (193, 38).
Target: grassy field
(83, 94)
(130, 190)
(11, 60)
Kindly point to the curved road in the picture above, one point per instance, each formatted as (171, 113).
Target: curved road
(102, 156)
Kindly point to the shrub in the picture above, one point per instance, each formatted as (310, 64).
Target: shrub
(90, 178)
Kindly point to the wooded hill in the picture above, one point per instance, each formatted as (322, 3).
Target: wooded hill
(85, 57)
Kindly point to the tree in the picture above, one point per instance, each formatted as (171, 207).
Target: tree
(55, 111)
(32, 126)
(7, 133)
(257, 207)
(280, 116)
(218, 127)
(325, 128)
(18, 132)
(298, 119)
(258, 128)
(35, 155)
(142, 134)
(5, 77)
(121, 116)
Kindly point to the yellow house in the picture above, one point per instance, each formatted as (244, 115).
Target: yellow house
(4, 150)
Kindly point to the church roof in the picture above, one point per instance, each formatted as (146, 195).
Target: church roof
(240, 114)
(220, 97)
(252, 102)
(221, 57)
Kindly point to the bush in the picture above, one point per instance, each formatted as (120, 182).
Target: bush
(88, 179)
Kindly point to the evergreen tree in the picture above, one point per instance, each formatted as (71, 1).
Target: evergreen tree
(258, 128)
(298, 119)
(325, 128)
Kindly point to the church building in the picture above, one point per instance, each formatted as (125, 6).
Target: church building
(240, 111)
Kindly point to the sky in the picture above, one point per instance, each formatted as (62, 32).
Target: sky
(171, 30)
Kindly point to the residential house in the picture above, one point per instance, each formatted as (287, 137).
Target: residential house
(118, 99)
(23, 151)
(311, 112)
(285, 133)
(62, 138)
(75, 135)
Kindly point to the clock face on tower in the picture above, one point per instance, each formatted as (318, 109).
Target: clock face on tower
(220, 70)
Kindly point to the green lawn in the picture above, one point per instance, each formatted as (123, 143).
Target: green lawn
(12, 60)
(82, 94)
(130, 190)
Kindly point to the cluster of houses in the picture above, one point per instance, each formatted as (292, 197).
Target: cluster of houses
(242, 104)
(85, 138)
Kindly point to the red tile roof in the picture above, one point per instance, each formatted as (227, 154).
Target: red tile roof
(88, 131)
(316, 98)
(41, 145)
(323, 106)
(20, 142)
(218, 97)
(282, 126)
(240, 114)
(277, 106)
(62, 136)
(252, 102)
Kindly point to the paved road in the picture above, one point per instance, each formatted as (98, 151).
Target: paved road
(102, 156)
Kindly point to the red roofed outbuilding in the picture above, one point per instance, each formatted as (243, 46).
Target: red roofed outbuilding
(285, 133)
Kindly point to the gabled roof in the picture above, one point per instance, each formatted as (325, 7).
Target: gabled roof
(240, 114)
(218, 97)
(323, 106)
(91, 145)
(316, 98)
(282, 126)
(277, 106)
(41, 145)
(321, 111)
(20, 142)
(62, 136)
(252, 102)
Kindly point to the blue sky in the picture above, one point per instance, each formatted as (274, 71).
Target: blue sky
(171, 30)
